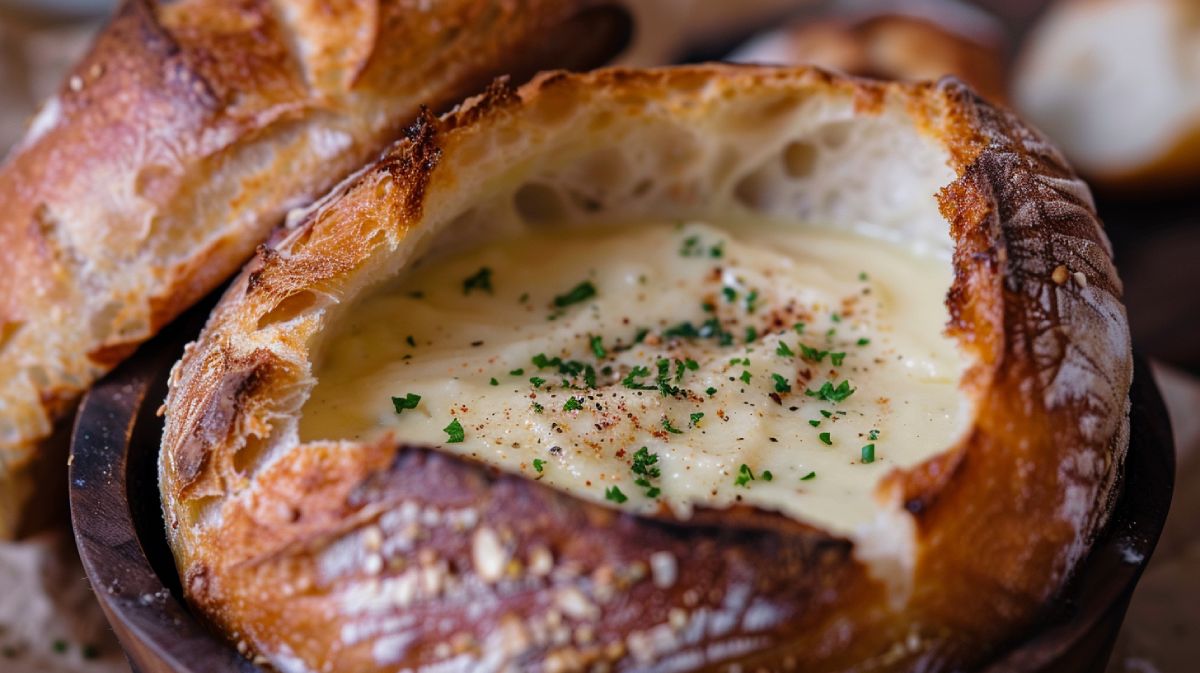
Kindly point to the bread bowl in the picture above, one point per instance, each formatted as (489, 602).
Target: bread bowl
(1116, 83)
(185, 135)
(889, 46)
(316, 550)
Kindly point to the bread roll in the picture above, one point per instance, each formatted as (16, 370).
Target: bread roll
(887, 46)
(660, 370)
(184, 136)
(1116, 83)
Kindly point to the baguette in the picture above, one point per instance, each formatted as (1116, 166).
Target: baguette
(185, 135)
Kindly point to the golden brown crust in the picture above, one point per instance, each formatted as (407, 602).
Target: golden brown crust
(344, 553)
(188, 132)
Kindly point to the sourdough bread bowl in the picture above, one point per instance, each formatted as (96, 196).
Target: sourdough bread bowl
(181, 140)
(522, 490)
(1116, 83)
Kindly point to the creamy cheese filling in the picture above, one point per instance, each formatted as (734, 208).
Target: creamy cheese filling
(663, 365)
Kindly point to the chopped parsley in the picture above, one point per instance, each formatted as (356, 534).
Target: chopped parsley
(873, 435)
(862, 275)
(695, 419)
(837, 358)
(573, 404)
(537, 408)
(807, 477)
(538, 464)
(597, 343)
(537, 381)
(730, 294)
(751, 334)
(868, 453)
(812, 354)
(783, 350)
(781, 383)
(745, 377)
(829, 393)
(711, 391)
(643, 467)
(494, 382)
(826, 414)
(815, 423)
(664, 378)
(580, 293)
(691, 247)
(799, 327)
(863, 341)
(409, 401)
(836, 317)
(516, 372)
(631, 379)
(825, 439)
(766, 475)
(614, 494)
(744, 476)
(454, 432)
(752, 301)
(666, 423)
(481, 280)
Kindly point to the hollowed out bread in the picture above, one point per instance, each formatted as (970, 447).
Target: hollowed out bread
(182, 139)
(381, 555)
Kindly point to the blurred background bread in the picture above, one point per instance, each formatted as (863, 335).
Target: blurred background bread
(891, 45)
(1116, 83)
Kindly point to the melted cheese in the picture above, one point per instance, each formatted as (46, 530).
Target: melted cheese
(723, 309)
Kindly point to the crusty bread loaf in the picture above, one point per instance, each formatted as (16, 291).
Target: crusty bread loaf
(1116, 84)
(187, 133)
(887, 46)
(377, 555)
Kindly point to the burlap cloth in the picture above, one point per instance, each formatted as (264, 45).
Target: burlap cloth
(50, 623)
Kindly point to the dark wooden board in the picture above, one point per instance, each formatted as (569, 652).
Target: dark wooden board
(118, 526)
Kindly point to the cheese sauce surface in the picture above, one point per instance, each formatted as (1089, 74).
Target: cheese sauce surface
(662, 365)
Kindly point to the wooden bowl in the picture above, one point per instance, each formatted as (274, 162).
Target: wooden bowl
(119, 529)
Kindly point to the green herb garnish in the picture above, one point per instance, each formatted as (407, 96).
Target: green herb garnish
(573, 404)
(781, 383)
(784, 351)
(837, 358)
(825, 439)
(597, 343)
(631, 379)
(810, 475)
(745, 377)
(409, 401)
(868, 453)
(481, 280)
(829, 393)
(695, 419)
(579, 293)
(454, 432)
(538, 464)
(537, 381)
(711, 391)
(666, 423)
(614, 494)
(744, 476)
